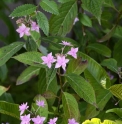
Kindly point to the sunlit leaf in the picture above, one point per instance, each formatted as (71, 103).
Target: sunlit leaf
(116, 90)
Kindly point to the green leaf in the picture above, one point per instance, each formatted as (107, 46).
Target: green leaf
(23, 10)
(3, 90)
(94, 7)
(61, 24)
(70, 106)
(110, 64)
(102, 97)
(107, 36)
(117, 111)
(46, 77)
(3, 72)
(30, 58)
(10, 109)
(101, 49)
(27, 74)
(49, 95)
(49, 6)
(31, 45)
(43, 22)
(117, 53)
(116, 90)
(42, 111)
(50, 74)
(85, 20)
(8, 51)
(76, 66)
(118, 32)
(63, 1)
(94, 73)
(109, 3)
(99, 73)
(82, 88)
(36, 37)
(7, 97)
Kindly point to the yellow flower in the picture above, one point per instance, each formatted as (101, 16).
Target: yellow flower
(98, 121)
(93, 121)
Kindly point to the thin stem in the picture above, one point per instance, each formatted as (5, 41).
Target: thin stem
(59, 78)
(61, 90)
(63, 50)
(59, 101)
(37, 110)
(117, 102)
(60, 74)
(80, 10)
(30, 112)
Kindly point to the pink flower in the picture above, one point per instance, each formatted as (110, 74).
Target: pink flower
(76, 20)
(72, 121)
(52, 121)
(34, 27)
(25, 119)
(38, 120)
(61, 62)
(66, 43)
(48, 60)
(73, 52)
(23, 30)
(40, 103)
(23, 107)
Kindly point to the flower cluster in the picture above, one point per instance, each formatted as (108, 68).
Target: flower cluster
(60, 59)
(24, 30)
(26, 119)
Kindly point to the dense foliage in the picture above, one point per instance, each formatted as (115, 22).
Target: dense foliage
(64, 68)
